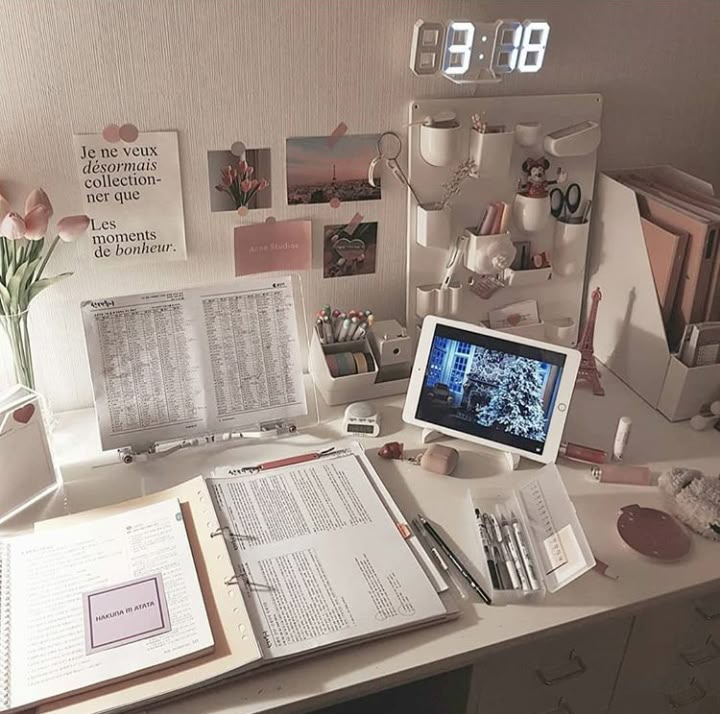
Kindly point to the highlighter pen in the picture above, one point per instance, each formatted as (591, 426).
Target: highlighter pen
(505, 552)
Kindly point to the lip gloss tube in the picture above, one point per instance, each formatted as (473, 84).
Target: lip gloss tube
(616, 473)
(582, 453)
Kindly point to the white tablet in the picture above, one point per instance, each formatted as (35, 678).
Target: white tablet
(491, 387)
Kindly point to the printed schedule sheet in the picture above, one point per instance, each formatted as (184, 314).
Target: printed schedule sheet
(180, 363)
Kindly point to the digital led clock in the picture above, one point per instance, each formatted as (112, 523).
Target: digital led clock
(470, 52)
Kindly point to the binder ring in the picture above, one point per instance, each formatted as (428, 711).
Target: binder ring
(234, 580)
(223, 530)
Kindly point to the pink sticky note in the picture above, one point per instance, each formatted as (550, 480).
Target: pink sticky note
(111, 133)
(265, 247)
(339, 131)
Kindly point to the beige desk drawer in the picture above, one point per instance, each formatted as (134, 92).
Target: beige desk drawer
(573, 673)
(672, 661)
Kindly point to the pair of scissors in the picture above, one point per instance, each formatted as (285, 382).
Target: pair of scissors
(564, 204)
(389, 146)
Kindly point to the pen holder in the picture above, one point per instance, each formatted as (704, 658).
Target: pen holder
(570, 247)
(528, 134)
(431, 300)
(561, 331)
(433, 225)
(438, 144)
(523, 278)
(485, 255)
(531, 214)
(491, 153)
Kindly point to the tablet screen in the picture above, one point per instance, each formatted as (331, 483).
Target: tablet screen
(490, 388)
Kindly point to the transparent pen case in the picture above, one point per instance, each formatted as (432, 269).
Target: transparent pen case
(541, 549)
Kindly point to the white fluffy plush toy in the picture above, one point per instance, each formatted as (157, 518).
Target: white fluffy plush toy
(696, 499)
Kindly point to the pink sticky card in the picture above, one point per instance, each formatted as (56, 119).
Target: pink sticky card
(339, 131)
(111, 133)
(129, 133)
(355, 221)
(266, 247)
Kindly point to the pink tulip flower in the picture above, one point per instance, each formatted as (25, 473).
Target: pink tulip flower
(35, 198)
(36, 222)
(249, 171)
(264, 183)
(246, 185)
(72, 227)
(12, 226)
(5, 207)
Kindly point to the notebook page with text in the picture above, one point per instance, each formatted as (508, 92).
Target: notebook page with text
(100, 601)
(320, 560)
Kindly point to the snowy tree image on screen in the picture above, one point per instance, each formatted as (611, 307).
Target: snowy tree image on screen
(516, 402)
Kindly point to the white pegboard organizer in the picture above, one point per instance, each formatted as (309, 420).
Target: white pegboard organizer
(560, 297)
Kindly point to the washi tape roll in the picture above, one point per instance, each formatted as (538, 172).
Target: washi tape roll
(370, 361)
(346, 363)
(332, 365)
(360, 362)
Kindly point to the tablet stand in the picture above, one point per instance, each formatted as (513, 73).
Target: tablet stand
(512, 460)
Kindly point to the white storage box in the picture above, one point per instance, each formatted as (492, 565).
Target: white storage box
(554, 538)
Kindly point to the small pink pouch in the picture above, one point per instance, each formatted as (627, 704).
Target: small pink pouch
(439, 459)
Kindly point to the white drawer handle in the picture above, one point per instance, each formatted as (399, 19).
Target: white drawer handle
(693, 694)
(693, 659)
(578, 669)
(712, 615)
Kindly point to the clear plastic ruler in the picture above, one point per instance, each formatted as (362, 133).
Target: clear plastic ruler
(541, 521)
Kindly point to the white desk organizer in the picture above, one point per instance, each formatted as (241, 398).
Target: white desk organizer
(389, 355)
(558, 546)
(629, 332)
(527, 121)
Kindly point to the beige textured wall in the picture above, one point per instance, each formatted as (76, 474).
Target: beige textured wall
(261, 70)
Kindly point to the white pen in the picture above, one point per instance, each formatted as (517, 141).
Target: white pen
(327, 331)
(342, 336)
(525, 553)
(354, 323)
(514, 553)
(337, 326)
(505, 553)
(453, 261)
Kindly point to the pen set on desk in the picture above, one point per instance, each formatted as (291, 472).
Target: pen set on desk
(505, 546)
(337, 326)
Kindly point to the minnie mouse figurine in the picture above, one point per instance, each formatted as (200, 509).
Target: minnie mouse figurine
(536, 184)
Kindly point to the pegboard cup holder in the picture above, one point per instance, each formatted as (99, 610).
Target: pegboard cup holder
(561, 331)
(433, 225)
(528, 134)
(491, 152)
(482, 251)
(524, 278)
(434, 300)
(570, 241)
(438, 144)
(531, 213)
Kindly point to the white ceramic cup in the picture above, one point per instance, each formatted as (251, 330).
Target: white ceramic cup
(433, 226)
(531, 214)
(560, 331)
(438, 144)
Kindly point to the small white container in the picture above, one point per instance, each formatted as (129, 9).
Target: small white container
(431, 300)
(570, 247)
(561, 331)
(491, 153)
(576, 140)
(531, 214)
(490, 254)
(523, 278)
(438, 144)
(528, 133)
(433, 226)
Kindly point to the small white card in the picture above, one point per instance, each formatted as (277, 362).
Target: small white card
(28, 471)
(515, 315)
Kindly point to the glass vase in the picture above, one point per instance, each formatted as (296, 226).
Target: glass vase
(15, 348)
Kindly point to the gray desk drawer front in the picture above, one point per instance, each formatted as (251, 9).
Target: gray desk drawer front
(573, 673)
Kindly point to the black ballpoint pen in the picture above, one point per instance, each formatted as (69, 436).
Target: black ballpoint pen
(454, 560)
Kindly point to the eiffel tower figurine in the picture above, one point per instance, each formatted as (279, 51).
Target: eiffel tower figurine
(588, 371)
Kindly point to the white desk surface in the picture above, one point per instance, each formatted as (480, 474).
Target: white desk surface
(93, 479)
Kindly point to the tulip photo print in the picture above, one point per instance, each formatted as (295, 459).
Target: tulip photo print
(239, 183)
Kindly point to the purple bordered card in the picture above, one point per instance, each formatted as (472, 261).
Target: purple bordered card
(124, 613)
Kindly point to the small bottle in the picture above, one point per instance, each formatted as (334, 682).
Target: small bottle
(616, 473)
(622, 435)
(582, 453)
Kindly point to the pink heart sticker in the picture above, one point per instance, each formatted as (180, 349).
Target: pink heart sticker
(24, 414)
(514, 319)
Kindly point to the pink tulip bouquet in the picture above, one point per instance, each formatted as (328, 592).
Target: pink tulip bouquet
(240, 185)
(24, 255)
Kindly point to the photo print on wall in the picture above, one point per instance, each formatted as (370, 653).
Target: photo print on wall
(239, 183)
(319, 170)
(349, 249)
